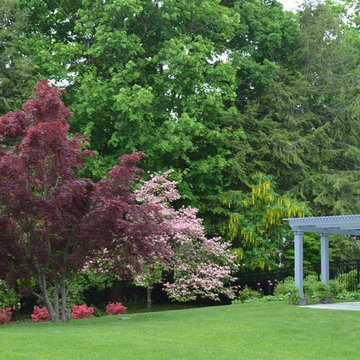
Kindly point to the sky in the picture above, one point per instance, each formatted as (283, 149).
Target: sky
(290, 4)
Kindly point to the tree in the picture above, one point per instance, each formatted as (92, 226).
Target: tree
(302, 128)
(17, 76)
(52, 222)
(153, 69)
(261, 44)
(330, 63)
(201, 267)
(256, 226)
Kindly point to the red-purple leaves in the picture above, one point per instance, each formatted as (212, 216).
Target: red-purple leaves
(13, 124)
(119, 224)
(53, 223)
(48, 106)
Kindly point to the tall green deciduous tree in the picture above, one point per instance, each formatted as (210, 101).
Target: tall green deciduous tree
(217, 90)
(153, 69)
(17, 77)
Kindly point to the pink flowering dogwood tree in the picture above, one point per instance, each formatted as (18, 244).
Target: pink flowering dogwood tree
(202, 267)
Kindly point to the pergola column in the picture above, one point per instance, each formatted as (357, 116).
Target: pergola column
(325, 258)
(299, 270)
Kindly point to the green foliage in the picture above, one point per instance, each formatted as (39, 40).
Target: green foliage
(349, 280)
(289, 289)
(256, 226)
(263, 299)
(246, 294)
(80, 284)
(329, 61)
(300, 126)
(262, 41)
(311, 250)
(285, 288)
(216, 90)
(17, 78)
(148, 78)
(309, 285)
(348, 295)
(321, 291)
(343, 247)
(336, 287)
(8, 297)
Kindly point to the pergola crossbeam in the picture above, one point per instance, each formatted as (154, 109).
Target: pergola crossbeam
(324, 230)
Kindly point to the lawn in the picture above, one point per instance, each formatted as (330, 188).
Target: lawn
(266, 331)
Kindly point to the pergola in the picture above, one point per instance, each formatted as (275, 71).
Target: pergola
(325, 225)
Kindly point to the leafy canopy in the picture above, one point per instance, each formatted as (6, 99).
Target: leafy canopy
(53, 222)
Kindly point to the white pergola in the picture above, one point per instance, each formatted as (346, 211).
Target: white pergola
(325, 225)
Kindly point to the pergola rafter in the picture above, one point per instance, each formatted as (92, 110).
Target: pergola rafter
(324, 225)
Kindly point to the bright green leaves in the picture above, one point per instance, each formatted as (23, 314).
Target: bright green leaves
(256, 226)
(135, 129)
(150, 80)
(17, 77)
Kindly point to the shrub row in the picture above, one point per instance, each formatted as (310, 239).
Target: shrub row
(78, 312)
(313, 290)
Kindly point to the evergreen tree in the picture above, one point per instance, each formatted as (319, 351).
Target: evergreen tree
(303, 128)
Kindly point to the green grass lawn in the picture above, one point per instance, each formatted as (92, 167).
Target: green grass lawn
(266, 331)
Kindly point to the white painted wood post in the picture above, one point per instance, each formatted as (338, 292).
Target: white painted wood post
(325, 258)
(299, 269)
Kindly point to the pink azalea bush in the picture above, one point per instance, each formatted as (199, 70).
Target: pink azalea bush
(202, 267)
(40, 314)
(115, 308)
(82, 312)
(5, 316)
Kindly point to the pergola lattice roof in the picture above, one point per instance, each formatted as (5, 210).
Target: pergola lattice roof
(343, 224)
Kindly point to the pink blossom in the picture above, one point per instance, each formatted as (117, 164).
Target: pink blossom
(202, 267)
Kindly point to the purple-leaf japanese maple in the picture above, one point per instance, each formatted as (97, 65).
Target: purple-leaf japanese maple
(53, 223)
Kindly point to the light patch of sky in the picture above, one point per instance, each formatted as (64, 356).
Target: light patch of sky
(290, 4)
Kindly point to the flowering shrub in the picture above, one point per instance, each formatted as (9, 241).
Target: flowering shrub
(115, 308)
(82, 312)
(5, 316)
(40, 314)
(202, 266)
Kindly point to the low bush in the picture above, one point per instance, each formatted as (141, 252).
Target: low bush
(348, 295)
(248, 293)
(115, 308)
(8, 296)
(285, 288)
(82, 312)
(321, 291)
(336, 287)
(289, 289)
(267, 298)
(308, 285)
(5, 316)
(349, 280)
(40, 314)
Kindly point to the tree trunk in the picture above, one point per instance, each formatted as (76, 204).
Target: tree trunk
(148, 298)
(44, 292)
(65, 311)
(56, 300)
